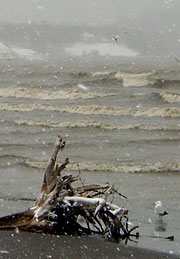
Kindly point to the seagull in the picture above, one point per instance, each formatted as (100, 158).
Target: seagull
(116, 38)
(159, 209)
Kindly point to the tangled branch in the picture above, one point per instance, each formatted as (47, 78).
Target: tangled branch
(62, 208)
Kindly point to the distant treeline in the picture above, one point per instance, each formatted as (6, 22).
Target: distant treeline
(46, 37)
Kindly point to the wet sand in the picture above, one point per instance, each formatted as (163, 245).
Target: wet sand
(30, 245)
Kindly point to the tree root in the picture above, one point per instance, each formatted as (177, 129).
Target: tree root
(62, 208)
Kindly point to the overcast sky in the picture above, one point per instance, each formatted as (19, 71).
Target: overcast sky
(148, 24)
(87, 11)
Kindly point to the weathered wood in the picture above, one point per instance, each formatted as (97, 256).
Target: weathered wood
(64, 209)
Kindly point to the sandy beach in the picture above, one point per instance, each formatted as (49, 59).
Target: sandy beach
(16, 244)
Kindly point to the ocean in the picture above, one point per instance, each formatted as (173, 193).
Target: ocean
(121, 124)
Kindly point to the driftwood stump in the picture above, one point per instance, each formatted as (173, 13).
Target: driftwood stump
(64, 209)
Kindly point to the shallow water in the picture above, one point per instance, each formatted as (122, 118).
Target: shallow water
(121, 125)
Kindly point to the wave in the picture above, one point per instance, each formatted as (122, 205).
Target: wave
(128, 79)
(159, 79)
(95, 124)
(110, 167)
(7, 156)
(35, 93)
(96, 110)
(157, 167)
(171, 97)
(11, 160)
(135, 79)
(67, 124)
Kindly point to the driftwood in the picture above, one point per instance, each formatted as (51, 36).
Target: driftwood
(62, 208)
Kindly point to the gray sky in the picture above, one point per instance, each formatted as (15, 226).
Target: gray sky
(87, 11)
(151, 25)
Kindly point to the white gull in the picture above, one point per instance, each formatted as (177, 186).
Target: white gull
(159, 209)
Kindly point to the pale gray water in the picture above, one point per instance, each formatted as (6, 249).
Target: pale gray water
(121, 124)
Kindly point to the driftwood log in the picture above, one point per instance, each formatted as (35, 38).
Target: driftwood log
(62, 208)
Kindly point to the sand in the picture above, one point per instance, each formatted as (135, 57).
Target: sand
(15, 244)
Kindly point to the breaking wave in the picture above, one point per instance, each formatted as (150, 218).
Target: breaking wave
(135, 79)
(68, 124)
(96, 110)
(95, 124)
(35, 93)
(171, 97)
(160, 79)
(128, 79)
(157, 167)
(110, 167)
